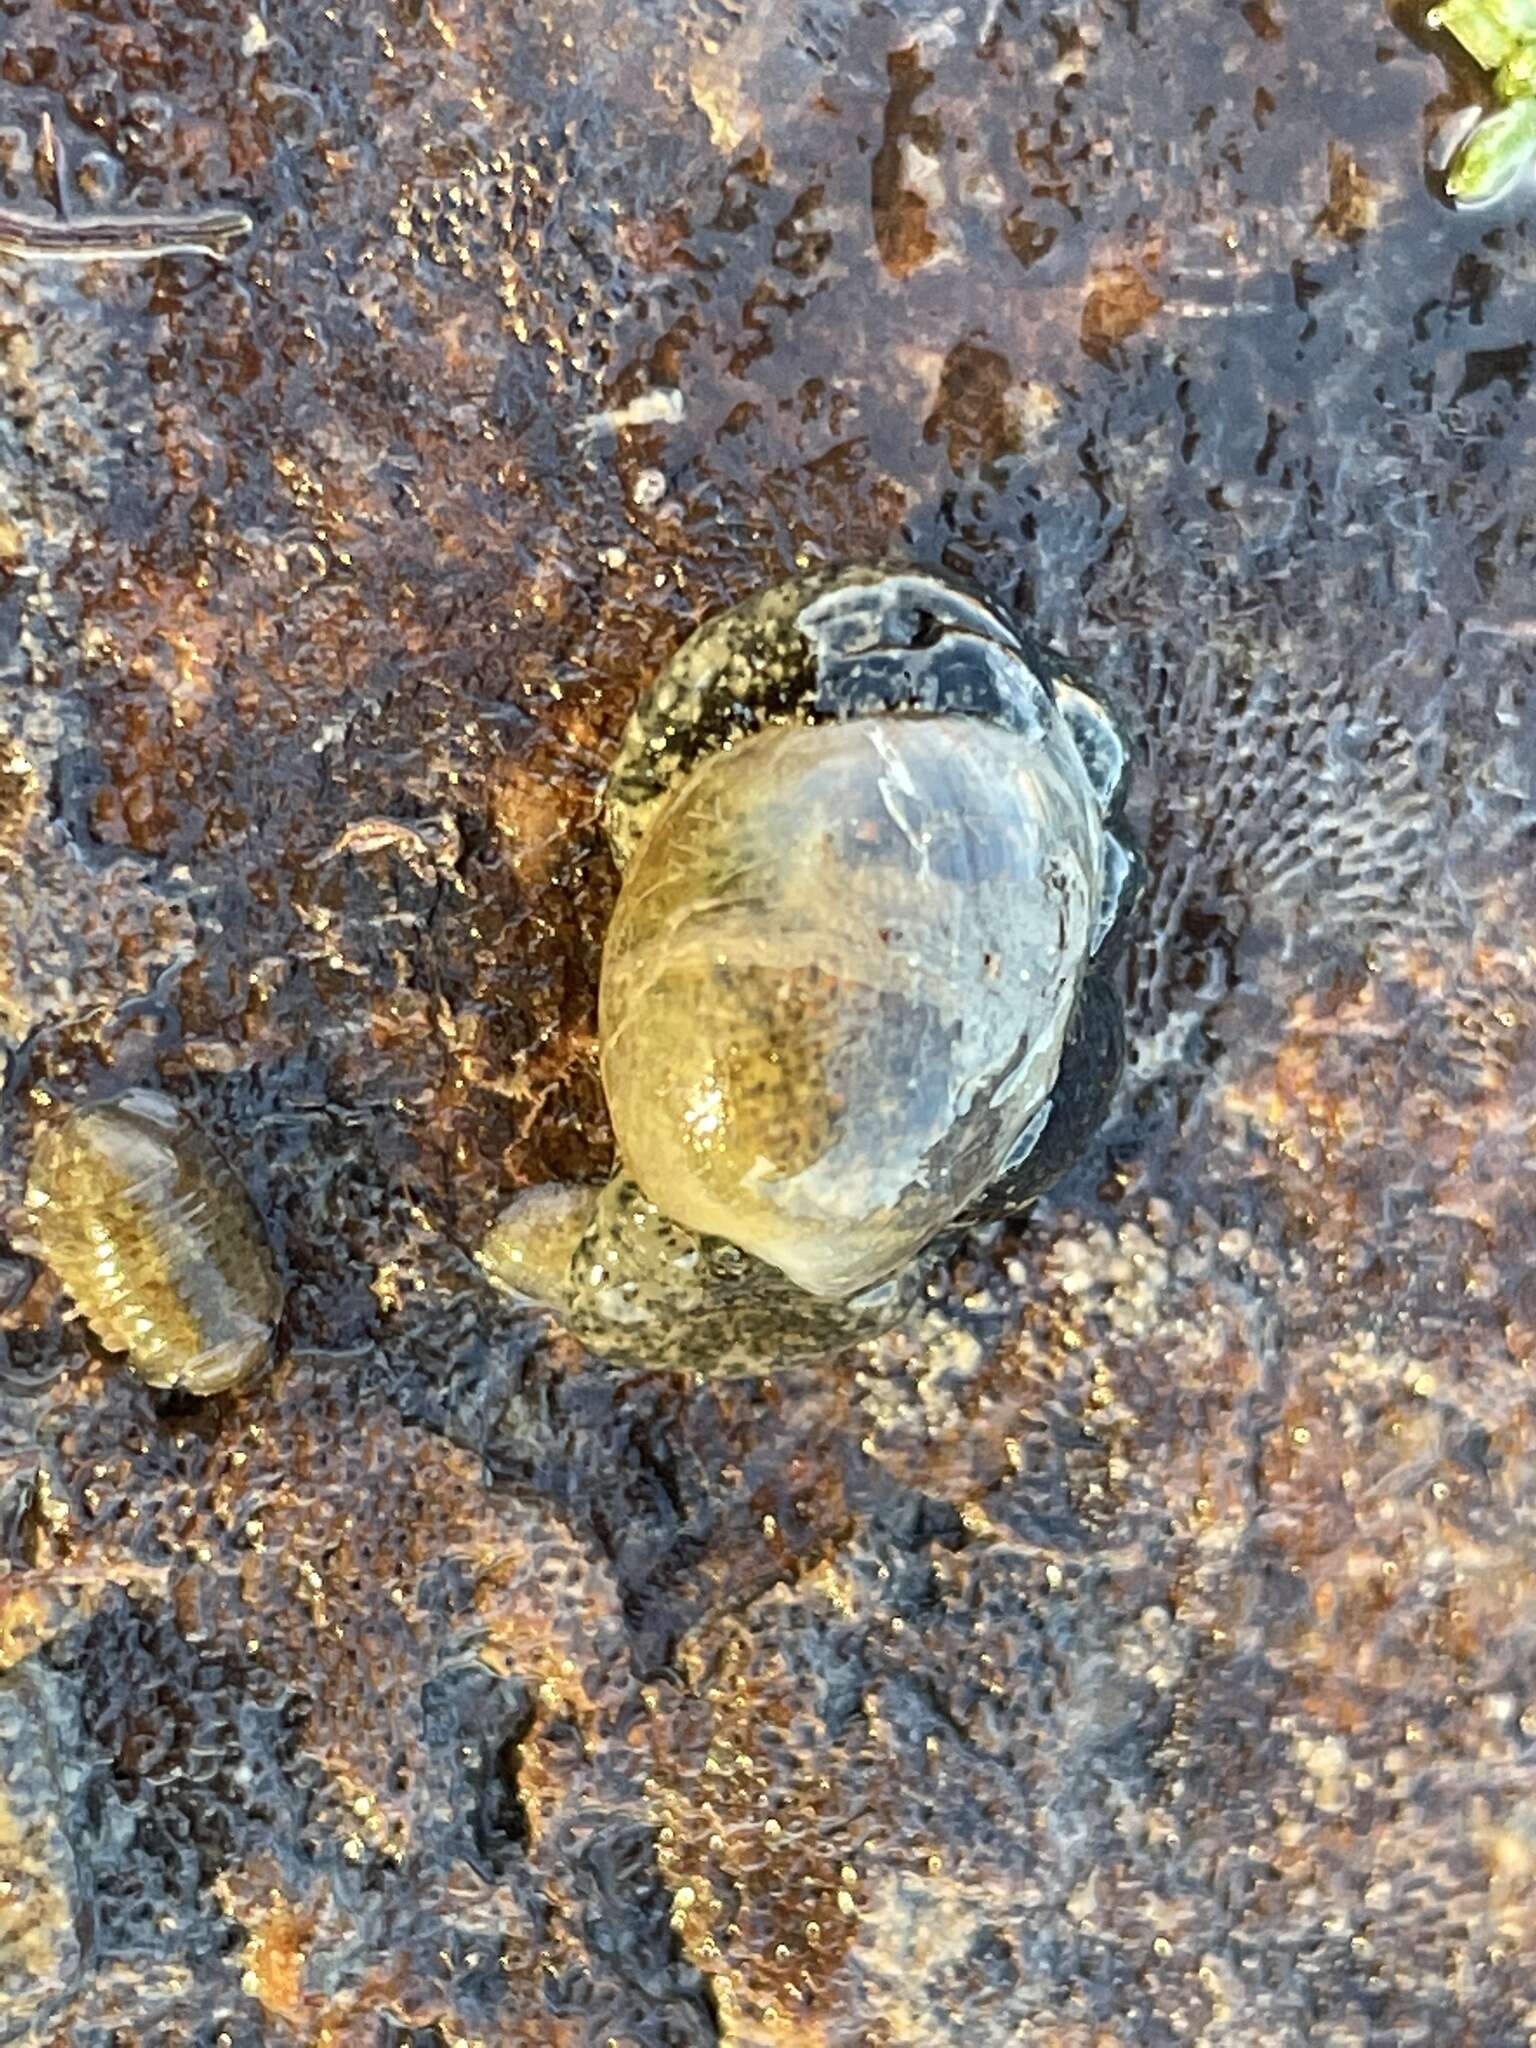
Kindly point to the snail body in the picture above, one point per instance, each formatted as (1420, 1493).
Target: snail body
(156, 1240)
(850, 995)
(637, 1286)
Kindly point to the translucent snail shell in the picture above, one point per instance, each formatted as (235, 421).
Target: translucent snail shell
(838, 983)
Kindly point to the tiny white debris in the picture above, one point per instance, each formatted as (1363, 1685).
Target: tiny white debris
(938, 32)
(431, 848)
(661, 407)
(255, 39)
(648, 488)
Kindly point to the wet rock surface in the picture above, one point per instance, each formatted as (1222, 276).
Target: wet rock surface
(40, 1903)
(1138, 1652)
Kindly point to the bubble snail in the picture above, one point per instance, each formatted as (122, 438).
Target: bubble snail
(853, 995)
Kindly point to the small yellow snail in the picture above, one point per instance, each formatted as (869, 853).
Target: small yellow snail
(157, 1241)
(871, 864)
